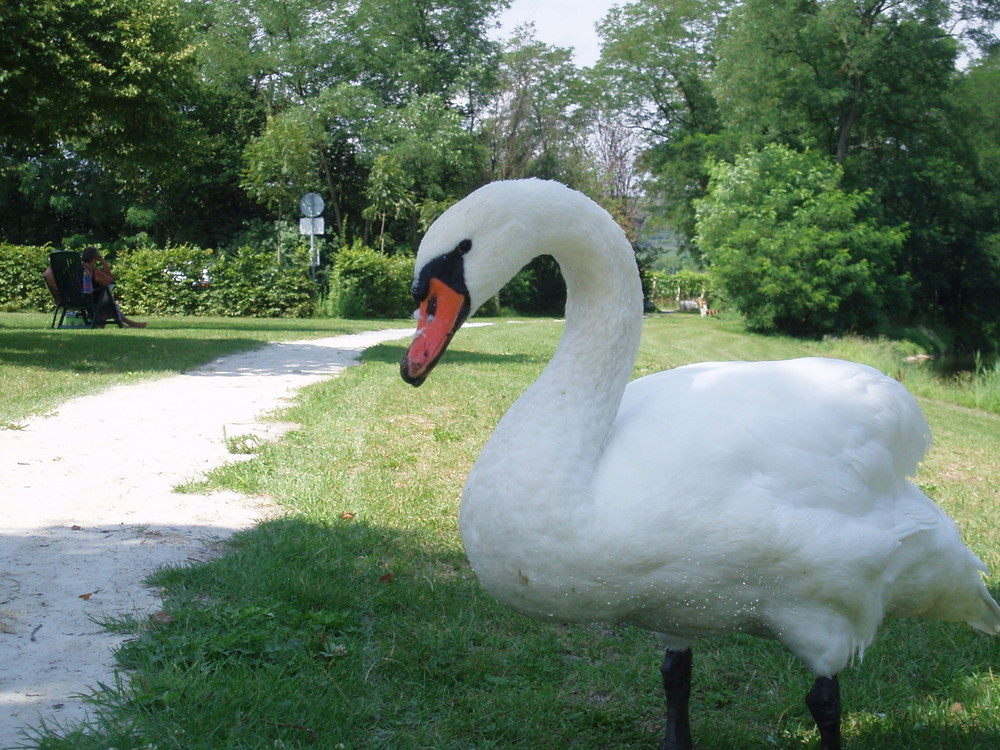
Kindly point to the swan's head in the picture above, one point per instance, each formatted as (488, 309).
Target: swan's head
(477, 246)
(480, 243)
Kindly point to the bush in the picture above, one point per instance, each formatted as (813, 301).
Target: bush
(167, 281)
(21, 285)
(367, 284)
(249, 283)
(181, 280)
(665, 289)
(792, 250)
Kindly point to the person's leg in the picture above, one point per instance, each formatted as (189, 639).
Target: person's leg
(119, 317)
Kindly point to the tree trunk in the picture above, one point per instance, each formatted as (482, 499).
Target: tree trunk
(847, 123)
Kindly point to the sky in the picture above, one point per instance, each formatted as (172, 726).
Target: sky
(562, 23)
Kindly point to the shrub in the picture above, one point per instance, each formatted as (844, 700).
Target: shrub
(665, 289)
(21, 285)
(249, 283)
(164, 281)
(367, 284)
(180, 280)
(792, 250)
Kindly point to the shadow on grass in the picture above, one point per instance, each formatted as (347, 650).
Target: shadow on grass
(316, 634)
(455, 355)
(92, 352)
(161, 349)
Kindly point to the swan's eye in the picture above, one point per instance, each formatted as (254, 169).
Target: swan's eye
(463, 247)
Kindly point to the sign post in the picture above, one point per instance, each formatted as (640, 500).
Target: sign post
(311, 223)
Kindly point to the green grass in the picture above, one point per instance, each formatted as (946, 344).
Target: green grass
(40, 367)
(355, 621)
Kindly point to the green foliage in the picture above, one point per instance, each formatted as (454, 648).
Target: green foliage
(168, 281)
(250, 282)
(177, 280)
(176, 122)
(535, 121)
(790, 249)
(368, 284)
(21, 284)
(874, 86)
(361, 102)
(666, 289)
(95, 68)
(282, 163)
(656, 68)
(426, 156)
(185, 280)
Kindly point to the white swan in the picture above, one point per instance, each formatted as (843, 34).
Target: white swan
(769, 498)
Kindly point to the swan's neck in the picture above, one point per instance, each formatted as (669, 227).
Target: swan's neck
(540, 460)
(576, 398)
(528, 496)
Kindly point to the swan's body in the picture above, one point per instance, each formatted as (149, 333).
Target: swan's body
(771, 498)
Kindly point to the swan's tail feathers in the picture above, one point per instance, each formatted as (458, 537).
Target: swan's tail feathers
(989, 619)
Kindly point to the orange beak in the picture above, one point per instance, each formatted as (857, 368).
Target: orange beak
(440, 315)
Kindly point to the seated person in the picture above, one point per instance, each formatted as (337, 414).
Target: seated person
(50, 281)
(103, 282)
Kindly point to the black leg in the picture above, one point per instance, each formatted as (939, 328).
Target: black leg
(824, 705)
(676, 671)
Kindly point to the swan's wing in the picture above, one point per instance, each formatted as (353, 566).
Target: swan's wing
(811, 433)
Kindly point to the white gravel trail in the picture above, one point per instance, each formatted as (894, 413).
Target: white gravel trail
(87, 511)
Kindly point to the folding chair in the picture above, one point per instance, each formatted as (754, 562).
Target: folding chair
(67, 271)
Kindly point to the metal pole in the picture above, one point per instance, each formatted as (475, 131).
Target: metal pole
(312, 254)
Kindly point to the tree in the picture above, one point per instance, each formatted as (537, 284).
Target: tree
(659, 55)
(956, 252)
(789, 248)
(534, 125)
(407, 48)
(656, 64)
(616, 147)
(423, 159)
(80, 67)
(283, 162)
(389, 106)
(840, 75)
(111, 134)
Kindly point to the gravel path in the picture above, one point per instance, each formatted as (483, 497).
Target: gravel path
(87, 511)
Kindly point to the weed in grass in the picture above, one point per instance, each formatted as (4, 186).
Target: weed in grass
(242, 445)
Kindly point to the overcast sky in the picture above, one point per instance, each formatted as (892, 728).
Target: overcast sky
(563, 23)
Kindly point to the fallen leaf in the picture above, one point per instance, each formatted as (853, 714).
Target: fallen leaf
(161, 617)
(74, 527)
(347, 515)
(957, 708)
(387, 578)
(86, 597)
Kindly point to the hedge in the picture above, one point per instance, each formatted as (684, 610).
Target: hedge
(177, 280)
(666, 290)
(365, 283)
(21, 284)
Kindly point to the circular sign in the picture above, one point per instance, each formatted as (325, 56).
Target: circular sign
(311, 204)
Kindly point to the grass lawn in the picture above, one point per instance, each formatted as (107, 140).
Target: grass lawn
(41, 367)
(354, 621)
